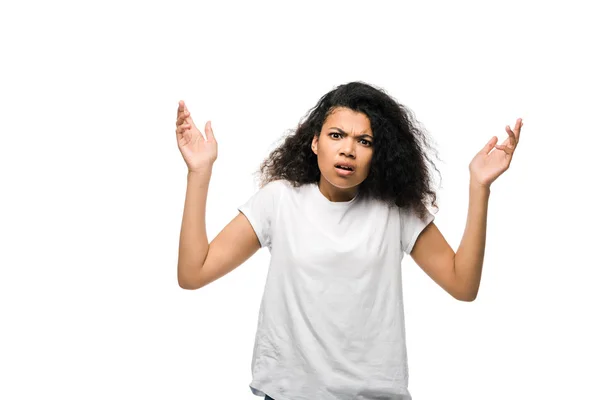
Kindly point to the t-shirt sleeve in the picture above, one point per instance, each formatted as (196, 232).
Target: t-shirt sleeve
(261, 209)
(411, 227)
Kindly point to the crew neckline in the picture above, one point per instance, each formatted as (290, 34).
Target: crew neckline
(325, 200)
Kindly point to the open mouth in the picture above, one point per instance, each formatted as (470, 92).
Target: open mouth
(344, 170)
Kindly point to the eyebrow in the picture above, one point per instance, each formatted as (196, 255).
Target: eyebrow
(364, 135)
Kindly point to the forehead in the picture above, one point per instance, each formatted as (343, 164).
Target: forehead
(346, 118)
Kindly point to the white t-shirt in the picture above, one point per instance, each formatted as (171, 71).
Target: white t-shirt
(331, 319)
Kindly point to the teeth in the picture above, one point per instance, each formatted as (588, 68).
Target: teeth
(346, 168)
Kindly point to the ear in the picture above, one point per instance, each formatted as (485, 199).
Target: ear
(314, 146)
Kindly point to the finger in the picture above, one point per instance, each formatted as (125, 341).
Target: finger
(489, 145)
(210, 136)
(182, 128)
(507, 150)
(510, 132)
(183, 112)
(182, 118)
(188, 116)
(515, 134)
(512, 139)
(517, 129)
(518, 124)
(508, 146)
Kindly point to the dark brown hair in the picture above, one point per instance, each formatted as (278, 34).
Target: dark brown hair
(399, 173)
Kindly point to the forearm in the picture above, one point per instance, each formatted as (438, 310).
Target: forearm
(468, 262)
(193, 241)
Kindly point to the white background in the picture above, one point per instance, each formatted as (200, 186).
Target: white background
(93, 185)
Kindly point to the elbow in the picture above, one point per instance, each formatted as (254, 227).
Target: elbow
(461, 293)
(186, 286)
(185, 282)
(470, 297)
(464, 291)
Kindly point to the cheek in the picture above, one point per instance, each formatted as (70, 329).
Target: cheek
(367, 164)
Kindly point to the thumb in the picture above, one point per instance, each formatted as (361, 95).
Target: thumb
(210, 136)
(490, 145)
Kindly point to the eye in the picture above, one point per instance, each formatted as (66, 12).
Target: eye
(366, 142)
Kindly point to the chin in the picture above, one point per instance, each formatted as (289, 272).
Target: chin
(343, 182)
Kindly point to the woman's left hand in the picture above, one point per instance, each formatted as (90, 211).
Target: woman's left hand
(485, 166)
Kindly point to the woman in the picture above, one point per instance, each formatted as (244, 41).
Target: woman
(340, 203)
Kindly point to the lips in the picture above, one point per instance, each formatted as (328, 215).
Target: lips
(345, 166)
(339, 169)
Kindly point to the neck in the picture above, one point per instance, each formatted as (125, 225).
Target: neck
(336, 194)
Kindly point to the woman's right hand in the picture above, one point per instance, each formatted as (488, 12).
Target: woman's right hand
(198, 153)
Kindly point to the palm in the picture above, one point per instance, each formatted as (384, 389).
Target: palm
(195, 148)
(487, 166)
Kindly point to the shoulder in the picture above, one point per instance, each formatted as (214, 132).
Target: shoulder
(283, 185)
(276, 186)
(410, 213)
(274, 190)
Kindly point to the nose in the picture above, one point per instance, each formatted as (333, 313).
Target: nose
(348, 147)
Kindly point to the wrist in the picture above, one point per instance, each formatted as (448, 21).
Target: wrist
(203, 174)
(479, 187)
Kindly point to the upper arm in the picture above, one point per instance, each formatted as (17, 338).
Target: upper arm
(250, 230)
(434, 255)
(235, 244)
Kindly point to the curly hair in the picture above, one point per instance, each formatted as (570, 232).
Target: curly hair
(398, 174)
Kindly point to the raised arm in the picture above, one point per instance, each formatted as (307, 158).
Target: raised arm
(199, 262)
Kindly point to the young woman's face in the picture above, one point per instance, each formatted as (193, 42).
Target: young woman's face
(346, 138)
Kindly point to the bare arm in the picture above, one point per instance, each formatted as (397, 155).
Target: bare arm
(201, 263)
(434, 255)
(468, 262)
(193, 242)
